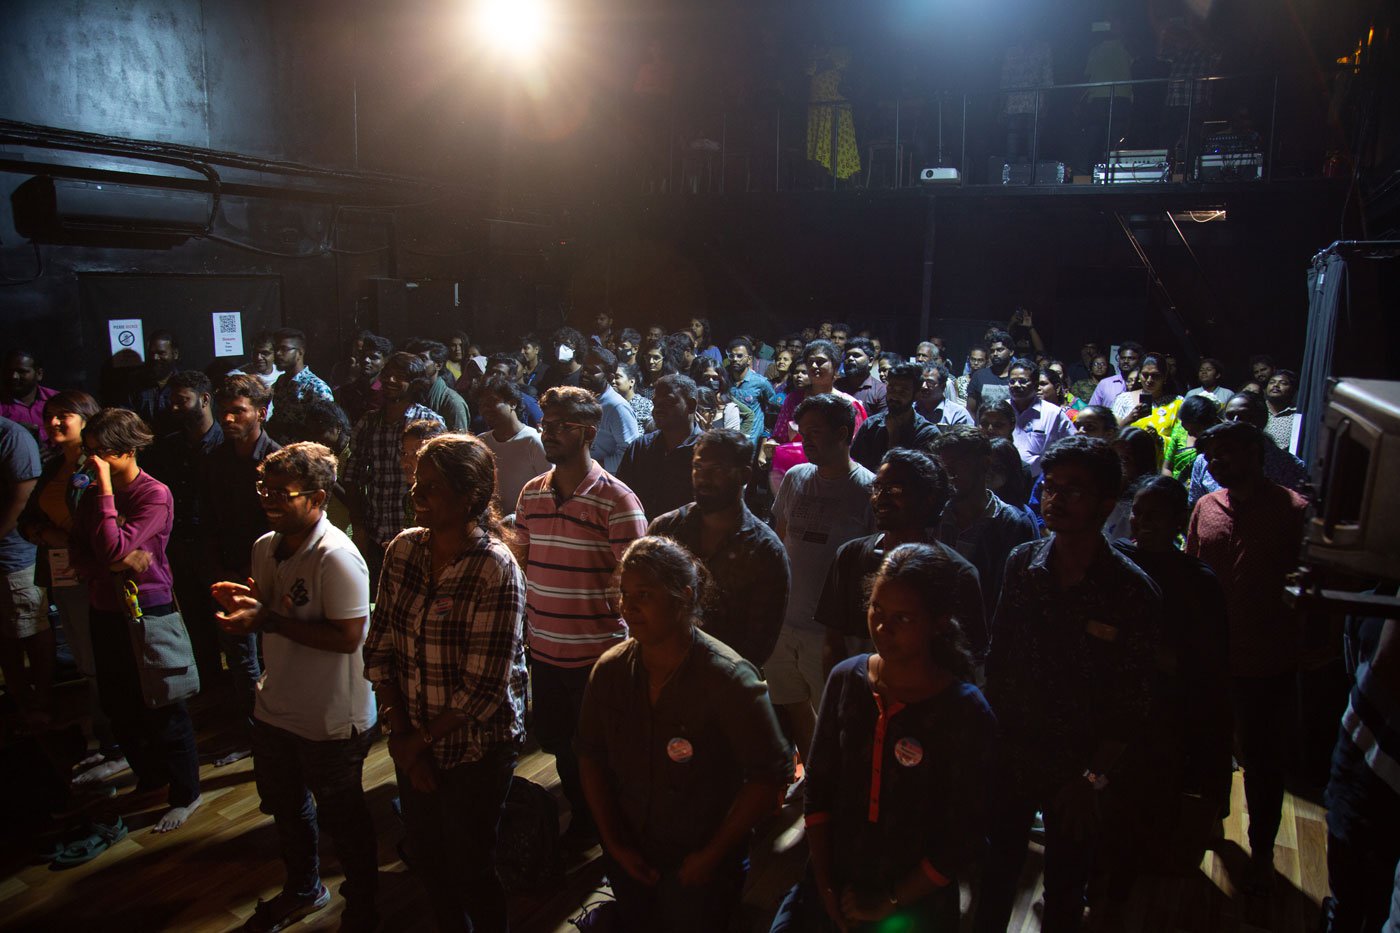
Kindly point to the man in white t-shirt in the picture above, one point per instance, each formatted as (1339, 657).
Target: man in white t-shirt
(518, 449)
(314, 718)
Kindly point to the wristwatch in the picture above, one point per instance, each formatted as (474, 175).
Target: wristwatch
(1096, 781)
(426, 736)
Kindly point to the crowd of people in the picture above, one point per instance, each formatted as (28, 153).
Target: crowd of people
(935, 603)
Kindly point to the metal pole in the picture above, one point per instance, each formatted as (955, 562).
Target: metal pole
(898, 155)
(962, 165)
(1035, 137)
(1186, 145)
(1108, 142)
(926, 297)
(1273, 120)
(777, 147)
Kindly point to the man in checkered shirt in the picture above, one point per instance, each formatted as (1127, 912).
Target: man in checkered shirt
(374, 479)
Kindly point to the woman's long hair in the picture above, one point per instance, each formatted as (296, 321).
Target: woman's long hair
(469, 468)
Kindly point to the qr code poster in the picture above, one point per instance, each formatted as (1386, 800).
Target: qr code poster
(228, 333)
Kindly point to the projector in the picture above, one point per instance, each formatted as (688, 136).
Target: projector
(940, 175)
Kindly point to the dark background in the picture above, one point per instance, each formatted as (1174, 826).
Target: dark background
(371, 166)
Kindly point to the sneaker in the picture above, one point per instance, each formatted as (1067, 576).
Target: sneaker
(284, 910)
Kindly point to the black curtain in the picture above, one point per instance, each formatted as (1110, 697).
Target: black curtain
(1327, 282)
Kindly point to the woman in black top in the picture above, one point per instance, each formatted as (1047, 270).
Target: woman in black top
(895, 792)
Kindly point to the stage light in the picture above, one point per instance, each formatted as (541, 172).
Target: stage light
(515, 28)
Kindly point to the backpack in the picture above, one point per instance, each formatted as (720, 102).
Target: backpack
(528, 855)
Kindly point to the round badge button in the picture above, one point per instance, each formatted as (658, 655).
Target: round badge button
(680, 750)
(908, 752)
(81, 480)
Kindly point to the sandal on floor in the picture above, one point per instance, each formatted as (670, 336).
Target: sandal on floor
(81, 851)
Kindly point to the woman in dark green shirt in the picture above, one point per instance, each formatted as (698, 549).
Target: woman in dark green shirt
(680, 754)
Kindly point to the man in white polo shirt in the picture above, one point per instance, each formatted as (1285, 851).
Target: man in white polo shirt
(314, 719)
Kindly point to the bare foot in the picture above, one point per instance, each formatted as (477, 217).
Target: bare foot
(96, 758)
(237, 754)
(175, 817)
(101, 772)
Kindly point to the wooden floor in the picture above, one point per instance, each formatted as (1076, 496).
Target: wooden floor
(208, 875)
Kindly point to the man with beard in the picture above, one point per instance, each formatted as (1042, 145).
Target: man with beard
(860, 381)
(1281, 395)
(572, 526)
(374, 481)
(1069, 673)
(898, 425)
(1038, 423)
(22, 397)
(821, 505)
(1249, 531)
(745, 558)
(1129, 356)
(657, 466)
(151, 397)
(178, 460)
(989, 385)
(907, 497)
(315, 716)
(619, 426)
(976, 523)
(297, 382)
(747, 386)
(364, 393)
(231, 519)
(932, 399)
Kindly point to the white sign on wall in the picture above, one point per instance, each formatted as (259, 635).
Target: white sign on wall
(126, 338)
(228, 333)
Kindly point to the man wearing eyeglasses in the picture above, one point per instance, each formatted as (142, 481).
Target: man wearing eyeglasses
(314, 719)
(1039, 423)
(235, 519)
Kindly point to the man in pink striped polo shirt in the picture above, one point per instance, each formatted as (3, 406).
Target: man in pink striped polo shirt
(572, 525)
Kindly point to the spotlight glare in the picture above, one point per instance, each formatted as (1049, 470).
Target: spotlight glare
(517, 28)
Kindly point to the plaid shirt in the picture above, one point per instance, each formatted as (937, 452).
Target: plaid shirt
(455, 642)
(300, 387)
(374, 471)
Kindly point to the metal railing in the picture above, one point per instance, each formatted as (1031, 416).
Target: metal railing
(695, 142)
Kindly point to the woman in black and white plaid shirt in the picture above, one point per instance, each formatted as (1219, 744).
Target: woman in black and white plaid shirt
(446, 656)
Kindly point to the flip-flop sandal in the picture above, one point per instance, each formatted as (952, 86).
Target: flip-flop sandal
(82, 851)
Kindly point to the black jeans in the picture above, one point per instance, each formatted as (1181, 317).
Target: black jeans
(1264, 725)
(1067, 860)
(558, 695)
(159, 743)
(196, 606)
(452, 834)
(290, 770)
(802, 912)
(241, 652)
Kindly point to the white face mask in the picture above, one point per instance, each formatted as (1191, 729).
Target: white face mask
(566, 353)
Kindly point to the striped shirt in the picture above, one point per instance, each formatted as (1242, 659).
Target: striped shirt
(572, 547)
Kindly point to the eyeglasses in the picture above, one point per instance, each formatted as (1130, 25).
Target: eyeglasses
(886, 489)
(281, 496)
(556, 427)
(1070, 493)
